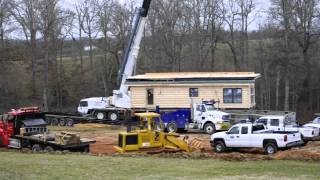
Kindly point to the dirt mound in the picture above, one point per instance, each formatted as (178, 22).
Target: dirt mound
(103, 146)
(294, 154)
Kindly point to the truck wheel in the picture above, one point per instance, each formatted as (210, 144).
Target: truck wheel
(100, 115)
(36, 148)
(270, 148)
(48, 121)
(172, 127)
(209, 128)
(69, 122)
(62, 122)
(113, 116)
(219, 146)
(54, 122)
(48, 149)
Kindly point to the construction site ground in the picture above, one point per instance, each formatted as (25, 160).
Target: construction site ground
(106, 138)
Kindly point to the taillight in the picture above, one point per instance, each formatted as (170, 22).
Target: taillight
(285, 138)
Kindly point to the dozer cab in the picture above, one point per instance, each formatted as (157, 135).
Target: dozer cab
(149, 135)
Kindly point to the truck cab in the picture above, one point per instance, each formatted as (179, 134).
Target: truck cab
(87, 105)
(206, 114)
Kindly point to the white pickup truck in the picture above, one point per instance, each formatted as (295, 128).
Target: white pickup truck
(254, 136)
(287, 123)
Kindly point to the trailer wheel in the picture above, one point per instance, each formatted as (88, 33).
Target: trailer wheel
(209, 128)
(113, 116)
(172, 127)
(69, 122)
(54, 122)
(86, 149)
(48, 121)
(62, 122)
(48, 149)
(36, 148)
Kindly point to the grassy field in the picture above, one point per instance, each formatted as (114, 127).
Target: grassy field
(16, 165)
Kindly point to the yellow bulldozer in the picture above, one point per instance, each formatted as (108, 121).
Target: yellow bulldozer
(150, 135)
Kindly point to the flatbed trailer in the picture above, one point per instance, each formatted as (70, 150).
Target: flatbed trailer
(67, 119)
(37, 143)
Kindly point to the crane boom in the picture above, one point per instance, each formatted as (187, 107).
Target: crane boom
(121, 97)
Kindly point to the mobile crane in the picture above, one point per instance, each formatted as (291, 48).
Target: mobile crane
(119, 102)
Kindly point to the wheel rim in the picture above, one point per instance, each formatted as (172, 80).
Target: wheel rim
(100, 115)
(113, 116)
(218, 148)
(171, 128)
(270, 150)
(69, 123)
(209, 129)
(62, 122)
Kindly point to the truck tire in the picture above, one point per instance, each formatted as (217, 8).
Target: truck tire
(62, 122)
(270, 148)
(100, 115)
(172, 127)
(48, 149)
(48, 120)
(36, 148)
(70, 123)
(54, 121)
(219, 146)
(209, 128)
(113, 116)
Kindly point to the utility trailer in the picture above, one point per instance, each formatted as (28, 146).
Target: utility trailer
(26, 128)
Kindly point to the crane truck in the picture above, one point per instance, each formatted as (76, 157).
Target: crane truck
(119, 102)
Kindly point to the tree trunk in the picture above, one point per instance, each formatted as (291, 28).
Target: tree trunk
(277, 89)
(286, 92)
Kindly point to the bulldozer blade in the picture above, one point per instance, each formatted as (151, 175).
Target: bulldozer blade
(197, 144)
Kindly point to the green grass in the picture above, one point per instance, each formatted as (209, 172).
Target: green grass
(16, 165)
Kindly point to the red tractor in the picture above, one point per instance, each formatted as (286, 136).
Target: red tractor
(27, 128)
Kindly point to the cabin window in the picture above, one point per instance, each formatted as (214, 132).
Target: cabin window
(274, 122)
(150, 96)
(193, 92)
(232, 95)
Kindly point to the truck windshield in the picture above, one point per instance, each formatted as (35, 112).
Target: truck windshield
(210, 107)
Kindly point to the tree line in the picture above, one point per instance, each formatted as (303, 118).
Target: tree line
(54, 54)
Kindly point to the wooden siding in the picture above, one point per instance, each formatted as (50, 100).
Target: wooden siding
(173, 96)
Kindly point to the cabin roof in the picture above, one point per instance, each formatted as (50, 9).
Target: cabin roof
(193, 77)
(184, 75)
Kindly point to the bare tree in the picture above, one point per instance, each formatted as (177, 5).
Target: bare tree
(25, 13)
(231, 19)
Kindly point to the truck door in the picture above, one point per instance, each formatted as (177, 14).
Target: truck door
(83, 107)
(244, 139)
(199, 114)
(233, 135)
